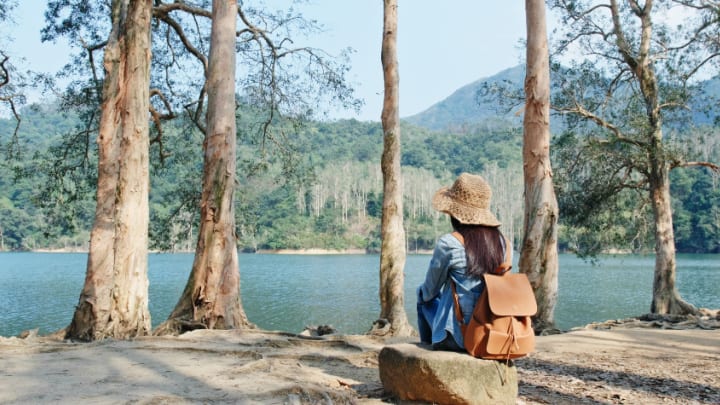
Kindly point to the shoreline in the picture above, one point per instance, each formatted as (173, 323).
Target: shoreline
(307, 251)
(310, 251)
(321, 251)
(325, 251)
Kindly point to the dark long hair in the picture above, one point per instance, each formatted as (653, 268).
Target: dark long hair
(483, 247)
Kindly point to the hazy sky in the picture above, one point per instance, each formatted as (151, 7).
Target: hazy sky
(442, 46)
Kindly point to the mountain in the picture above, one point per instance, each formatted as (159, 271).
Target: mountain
(467, 106)
(462, 108)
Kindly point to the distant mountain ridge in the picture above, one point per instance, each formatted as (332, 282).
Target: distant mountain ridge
(462, 108)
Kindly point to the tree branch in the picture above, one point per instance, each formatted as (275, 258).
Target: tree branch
(183, 38)
(10, 99)
(709, 165)
(622, 43)
(91, 61)
(6, 73)
(158, 118)
(167, 8)
(588, 115)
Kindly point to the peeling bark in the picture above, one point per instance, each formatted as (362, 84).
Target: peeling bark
(666, 298)
(539, 256)
(392, 253)
(114, 299)
(211, 298)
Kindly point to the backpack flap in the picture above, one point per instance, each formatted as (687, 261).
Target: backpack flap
(510, 294)
(513, 338)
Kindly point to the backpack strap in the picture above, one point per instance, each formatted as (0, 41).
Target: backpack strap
(505, 266)
(459, 237)
(456, 302)
(456, 306)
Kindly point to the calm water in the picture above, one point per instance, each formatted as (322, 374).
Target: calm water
(288, 292)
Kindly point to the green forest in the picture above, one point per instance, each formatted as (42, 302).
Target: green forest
(308, 183)
(318, 184)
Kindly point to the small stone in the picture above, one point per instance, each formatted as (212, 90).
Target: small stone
(293, 399)
(28, 333)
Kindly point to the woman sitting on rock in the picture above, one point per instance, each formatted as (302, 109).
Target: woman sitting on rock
(475, 247)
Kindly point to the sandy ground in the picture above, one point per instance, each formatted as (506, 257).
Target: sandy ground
(631, 366)
(623, 366)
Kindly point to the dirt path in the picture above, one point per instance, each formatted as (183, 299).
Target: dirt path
(633, 366)
(623, 366)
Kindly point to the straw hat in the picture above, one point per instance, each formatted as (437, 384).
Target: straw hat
(468, 201)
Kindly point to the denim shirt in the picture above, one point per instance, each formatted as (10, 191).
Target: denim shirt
(449, 262)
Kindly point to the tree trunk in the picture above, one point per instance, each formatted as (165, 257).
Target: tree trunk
(666, 299)
(392, 250)
(114, 299)
(539, 258)
(211, 298)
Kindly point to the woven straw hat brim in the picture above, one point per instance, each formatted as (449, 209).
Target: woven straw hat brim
(445, 201)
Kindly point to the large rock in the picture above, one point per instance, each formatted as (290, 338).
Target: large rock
(417, 373)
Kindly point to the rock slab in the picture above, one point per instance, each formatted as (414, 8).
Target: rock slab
(415, 372)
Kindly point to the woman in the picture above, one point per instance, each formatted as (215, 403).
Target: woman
(475, 247)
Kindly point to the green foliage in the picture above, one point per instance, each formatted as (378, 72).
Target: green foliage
(6, 8)
(329, 196)
(630, 112)
(697, 214)
(469, 151)
(318, 184)
(604, 203)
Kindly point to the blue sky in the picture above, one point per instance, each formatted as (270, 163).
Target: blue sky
(442, 46)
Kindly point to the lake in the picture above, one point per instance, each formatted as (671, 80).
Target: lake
(288, 292)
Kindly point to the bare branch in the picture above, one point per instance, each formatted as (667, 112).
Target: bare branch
(701, 64)
(183, 38)
(158, 118)
(6, 73)
(704, 5)
(10, 99)
(167, 8)
(159, 94)
(91, 49)
(195, 114)
(599, 121)
(712, 166)
(622, 42)
(582, 15)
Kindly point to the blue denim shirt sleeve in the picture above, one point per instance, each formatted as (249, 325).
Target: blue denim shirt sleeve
(449, 254)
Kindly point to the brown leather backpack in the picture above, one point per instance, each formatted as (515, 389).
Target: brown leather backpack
(500, 327)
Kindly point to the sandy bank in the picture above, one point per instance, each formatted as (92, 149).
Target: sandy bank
(636, 366)
(313, 251)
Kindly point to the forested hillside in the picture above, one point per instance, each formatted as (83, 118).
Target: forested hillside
(317, 185)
